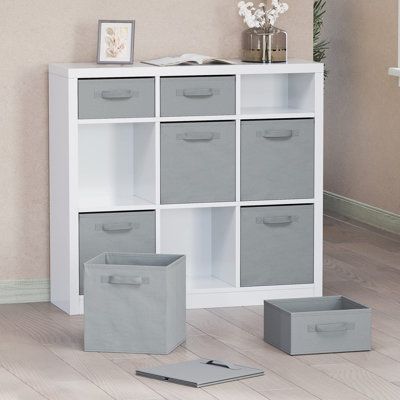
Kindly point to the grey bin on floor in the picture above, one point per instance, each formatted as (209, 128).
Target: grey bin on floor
(317, 325)
(135, 303)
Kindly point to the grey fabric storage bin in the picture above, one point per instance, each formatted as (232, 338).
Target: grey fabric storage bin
(198, 95)
(121, 231)
(277, 245)
(277, 159)
(198, 162)
(116, 98)
(135, 303)
(317, 325)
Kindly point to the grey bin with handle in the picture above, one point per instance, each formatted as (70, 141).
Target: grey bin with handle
(116, 98)
(133, 232)
(135, 303)
(277, 245)
(197, 95)
(277, 159)
(198, 162)
(314, 325)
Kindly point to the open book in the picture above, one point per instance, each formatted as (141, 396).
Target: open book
(187, 59)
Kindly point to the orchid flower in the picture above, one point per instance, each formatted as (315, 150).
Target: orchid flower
(261, 17)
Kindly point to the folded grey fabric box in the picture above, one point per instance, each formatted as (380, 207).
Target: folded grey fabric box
(135, 303)
(317, 325)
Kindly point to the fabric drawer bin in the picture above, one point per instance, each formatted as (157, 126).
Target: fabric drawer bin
(277, 245)
(201, 95)
(123, 231)
(317, 325)
(116, 98)
(277, 159)
(135, 303)
(198, 162)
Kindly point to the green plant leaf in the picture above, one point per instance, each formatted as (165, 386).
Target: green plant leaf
(321, 46)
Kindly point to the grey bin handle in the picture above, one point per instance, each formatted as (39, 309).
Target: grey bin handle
(197, 136)
(277, 134)
(117, 94)
(221, 364)
(118, 227)
(330, 328)
(278, 220)
(124, 280)
(196, 93)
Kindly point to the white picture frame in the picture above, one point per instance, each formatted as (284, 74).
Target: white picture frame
(115, 42)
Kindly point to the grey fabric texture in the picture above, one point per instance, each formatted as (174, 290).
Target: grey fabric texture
(122, 231)
(116, 98)
(317, 325)
(277, 159)
(135, 303)
(198, 162)
(277, 245)
(198, 95)
(199, 373)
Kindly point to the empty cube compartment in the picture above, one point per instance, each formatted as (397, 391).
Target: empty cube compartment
(207, 237)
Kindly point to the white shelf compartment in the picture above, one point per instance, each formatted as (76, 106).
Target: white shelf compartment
(117, 168)
(207, 237)
(277, 96)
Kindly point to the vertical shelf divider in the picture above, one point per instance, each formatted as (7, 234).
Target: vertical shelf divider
(237, 209)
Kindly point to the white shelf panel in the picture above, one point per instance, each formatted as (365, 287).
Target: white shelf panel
(102, 204)
(275, 202)
(240, 297)
(205, 283)
(199, 118)
(197, 205)
(115, 121)
(275, 113)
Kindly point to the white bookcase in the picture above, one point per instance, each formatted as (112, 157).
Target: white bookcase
(113, 164)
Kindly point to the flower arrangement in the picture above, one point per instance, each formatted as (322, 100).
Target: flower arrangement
(261, 17)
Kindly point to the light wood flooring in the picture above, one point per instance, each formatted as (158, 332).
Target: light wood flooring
(41, 353)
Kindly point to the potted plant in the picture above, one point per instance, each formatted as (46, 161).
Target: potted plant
(262, 41)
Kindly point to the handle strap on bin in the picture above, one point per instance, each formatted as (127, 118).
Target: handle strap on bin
(278, 220)
(117, 227)
(222, 364)
(198, 136)
(124, 280)
(332, 327)
(117, 94)
(276, 133)
(199, 92)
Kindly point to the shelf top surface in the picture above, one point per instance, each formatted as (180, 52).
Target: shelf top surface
(394, 71)
(93, 70)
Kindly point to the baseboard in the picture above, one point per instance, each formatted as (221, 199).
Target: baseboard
(24, 291)
(361, 212)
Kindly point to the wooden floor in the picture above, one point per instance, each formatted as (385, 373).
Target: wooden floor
(41, 353)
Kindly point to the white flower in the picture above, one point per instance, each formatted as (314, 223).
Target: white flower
(256, 18)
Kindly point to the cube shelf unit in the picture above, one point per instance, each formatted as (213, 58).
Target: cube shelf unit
(101, 165)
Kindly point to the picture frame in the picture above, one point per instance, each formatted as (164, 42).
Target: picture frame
(115, 43)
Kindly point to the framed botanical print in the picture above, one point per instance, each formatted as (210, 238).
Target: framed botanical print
(115, 42)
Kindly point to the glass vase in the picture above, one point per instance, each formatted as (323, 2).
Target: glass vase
(264, 45)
